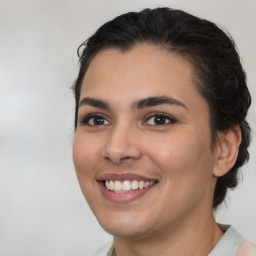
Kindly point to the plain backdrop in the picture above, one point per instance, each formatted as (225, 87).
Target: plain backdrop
(42, 210)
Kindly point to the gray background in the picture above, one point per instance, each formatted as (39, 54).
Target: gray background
(42, 211)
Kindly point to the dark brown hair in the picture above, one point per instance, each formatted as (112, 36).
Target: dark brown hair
(218, 73)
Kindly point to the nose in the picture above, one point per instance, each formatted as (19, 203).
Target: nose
(122, 145)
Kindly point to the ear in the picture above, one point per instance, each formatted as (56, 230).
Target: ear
(226, 149)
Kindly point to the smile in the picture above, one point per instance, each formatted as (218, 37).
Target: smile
(127, 185)
(124, 187)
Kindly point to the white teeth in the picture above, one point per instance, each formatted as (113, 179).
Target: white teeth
(107, 185)
(146, 184)
(111, 185)
(141, 184)
(118, 185)
(125, 186)
(135, 184)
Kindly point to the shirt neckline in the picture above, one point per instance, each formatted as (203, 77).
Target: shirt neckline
(229, 242)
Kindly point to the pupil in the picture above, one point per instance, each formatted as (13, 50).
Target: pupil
(160, 120)
(98, 120)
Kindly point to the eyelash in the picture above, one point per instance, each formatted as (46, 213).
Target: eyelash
(86, 119)
(171, 120)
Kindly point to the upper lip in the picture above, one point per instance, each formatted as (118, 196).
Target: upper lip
(123, 177)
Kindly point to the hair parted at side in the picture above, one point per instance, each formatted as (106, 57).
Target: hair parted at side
(218, 72)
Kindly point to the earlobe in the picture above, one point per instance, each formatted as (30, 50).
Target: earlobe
(227, 148)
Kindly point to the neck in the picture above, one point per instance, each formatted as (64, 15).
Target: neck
(190, 238)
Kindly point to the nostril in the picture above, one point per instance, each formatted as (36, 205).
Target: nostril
(119, 160)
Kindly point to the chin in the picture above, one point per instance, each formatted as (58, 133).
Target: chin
(126, 232)
(125, 227)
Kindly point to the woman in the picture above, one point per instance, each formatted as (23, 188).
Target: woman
(161, 102)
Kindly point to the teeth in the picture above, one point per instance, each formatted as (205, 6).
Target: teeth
(124, 186)
(141, 184)
(135, 184)
(118, 186)
(111, 185)
(146, 184)
(107, 185)
(127, 185)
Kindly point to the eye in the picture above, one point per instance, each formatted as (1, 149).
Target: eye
(160, 119)
(94, 120)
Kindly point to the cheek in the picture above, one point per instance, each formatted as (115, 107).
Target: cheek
(185, 163)
(171, 150)
(182, 155)
(85, 159)
(85, 155)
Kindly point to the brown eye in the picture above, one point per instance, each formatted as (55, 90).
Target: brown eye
(160, 119)
(95, 120)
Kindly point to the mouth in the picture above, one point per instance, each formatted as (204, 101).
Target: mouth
(124, 187)
(118, 186)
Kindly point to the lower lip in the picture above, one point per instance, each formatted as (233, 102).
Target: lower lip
(123, 197)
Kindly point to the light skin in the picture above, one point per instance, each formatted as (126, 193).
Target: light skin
(151, 121)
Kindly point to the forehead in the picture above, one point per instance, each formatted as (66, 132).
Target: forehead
(143, 71)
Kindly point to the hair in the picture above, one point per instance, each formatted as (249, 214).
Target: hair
(218, 73)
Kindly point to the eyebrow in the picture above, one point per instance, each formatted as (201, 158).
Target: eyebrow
(141, 104)
(155, 101)
(94, 103)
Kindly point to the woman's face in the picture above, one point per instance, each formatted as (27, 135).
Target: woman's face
(143, 131)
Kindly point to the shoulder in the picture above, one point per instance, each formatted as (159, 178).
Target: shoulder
(247, 249)
(229, 244)
(233, 243)
(106, 250)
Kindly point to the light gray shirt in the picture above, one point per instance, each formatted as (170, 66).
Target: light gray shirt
(231, 244)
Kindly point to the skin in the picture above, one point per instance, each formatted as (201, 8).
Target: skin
(178, 154)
